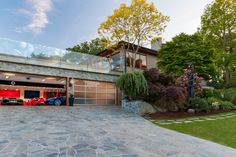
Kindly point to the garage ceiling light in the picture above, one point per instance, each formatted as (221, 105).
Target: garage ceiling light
(9, 74)
(50, 78)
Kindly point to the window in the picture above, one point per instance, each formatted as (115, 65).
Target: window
(140, 60)
(115, 62)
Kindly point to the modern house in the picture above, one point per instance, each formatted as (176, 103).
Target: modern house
(30, 71)
(124, 57)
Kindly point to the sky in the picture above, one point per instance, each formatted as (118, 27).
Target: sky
(65, 23)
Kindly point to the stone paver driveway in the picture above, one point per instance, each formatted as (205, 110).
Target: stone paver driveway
(94, 132)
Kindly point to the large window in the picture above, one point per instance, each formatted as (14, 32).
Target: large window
(137, 60)
(115, 62)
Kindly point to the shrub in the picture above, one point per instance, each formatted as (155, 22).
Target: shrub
(133, 84)
(183, 81)
(208, 92)
(163, 93)
(156, 77)
(230, 95)
(198, 104)
(216, 84)
(226, 105)
(214, 102)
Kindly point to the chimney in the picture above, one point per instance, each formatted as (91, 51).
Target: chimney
(156, 44)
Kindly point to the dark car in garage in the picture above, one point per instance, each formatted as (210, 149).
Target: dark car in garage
(12, 101)
(59, 101)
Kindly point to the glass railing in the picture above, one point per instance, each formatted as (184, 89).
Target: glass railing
(16, 51)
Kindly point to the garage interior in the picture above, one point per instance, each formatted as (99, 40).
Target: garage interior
(28, 90)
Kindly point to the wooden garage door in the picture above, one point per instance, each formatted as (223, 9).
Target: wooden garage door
(94, 92)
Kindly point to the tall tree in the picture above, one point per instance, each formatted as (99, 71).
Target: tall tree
(219, 26)
(93, 47)
(183, 50)
(137, 23)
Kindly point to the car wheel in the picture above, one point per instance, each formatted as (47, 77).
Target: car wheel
(57, 102)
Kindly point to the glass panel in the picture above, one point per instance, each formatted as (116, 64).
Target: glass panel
(110, 96)
(79, 101)
(111, 102)
(91, 89)
(110, 90)
(91, 101)
(23, 52)
(79, 88)
(110, 85)
(102, 84)
(91, 83)
(101, 96)
(79, 82)
(101, 101)
(79, 94)
(91, 95)
(102, 90)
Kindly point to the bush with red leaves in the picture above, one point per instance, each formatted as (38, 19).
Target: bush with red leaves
(163, 93)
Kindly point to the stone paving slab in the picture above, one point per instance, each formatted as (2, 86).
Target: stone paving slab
(94, 131)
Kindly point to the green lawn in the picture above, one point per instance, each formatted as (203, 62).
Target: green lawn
(220, 131)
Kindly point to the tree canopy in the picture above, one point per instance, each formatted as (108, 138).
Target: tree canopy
(93, 47)
(219, 26)
(183, 50)
(137, 23)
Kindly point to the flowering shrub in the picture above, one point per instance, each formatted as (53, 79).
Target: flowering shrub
(183, 81)
(214, 102)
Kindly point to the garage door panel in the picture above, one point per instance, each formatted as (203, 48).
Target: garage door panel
(91, 95)
(101, 101)
(79, 94)
(79, 88)
(93, 92)
(110, 90)
(91, 89)
(110, 96)
(79, 101)
(91, 101)
(102, 96)
(101, 90)
(110, 102)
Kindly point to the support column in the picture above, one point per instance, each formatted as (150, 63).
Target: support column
(67, 91)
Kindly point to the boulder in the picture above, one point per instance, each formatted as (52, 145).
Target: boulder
(137, 106)
(191, 110)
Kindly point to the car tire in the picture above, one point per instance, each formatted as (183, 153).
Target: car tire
(57, 102)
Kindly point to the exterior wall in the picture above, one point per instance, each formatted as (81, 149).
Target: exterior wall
(151, 61)
(57, 72)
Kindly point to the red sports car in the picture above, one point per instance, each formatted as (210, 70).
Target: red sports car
(36, 101)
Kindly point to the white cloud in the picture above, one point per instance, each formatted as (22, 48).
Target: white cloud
(38, 13)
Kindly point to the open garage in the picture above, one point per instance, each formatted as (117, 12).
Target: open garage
(29, 90)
